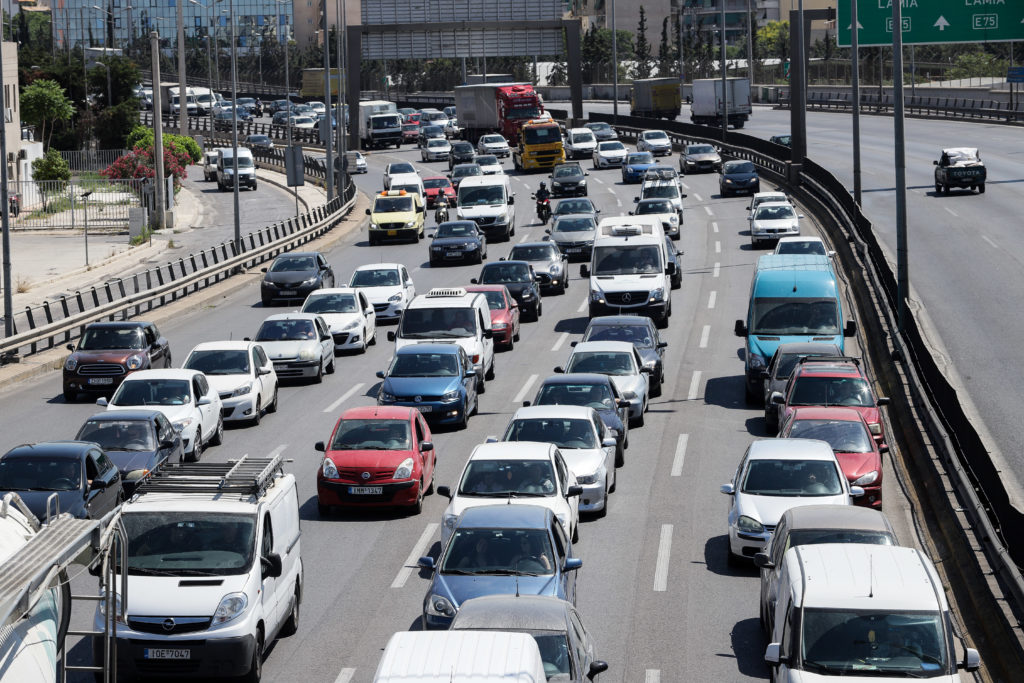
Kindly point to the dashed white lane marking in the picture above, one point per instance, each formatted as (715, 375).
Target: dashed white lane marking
(560, 341)
(598, 181)
(708, 209)
(664, 554)
(714, 226)
(990, 242)
(277, 451)
(697, 195)
(618, 202)
(525, 390)
(718, 247)
(652, 676)
(691, 395)
(345, 676)
(417, 551)
(951, 211)
(344, 397)
(704, 334)
(677, 462)
(716, 269)
(711, 299)
(523, 238)
(583, 306)
(685, 186)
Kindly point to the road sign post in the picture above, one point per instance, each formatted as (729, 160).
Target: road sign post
(934, 21)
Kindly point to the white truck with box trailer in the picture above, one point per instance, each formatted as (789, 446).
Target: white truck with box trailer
(380, 124)
(706, 109)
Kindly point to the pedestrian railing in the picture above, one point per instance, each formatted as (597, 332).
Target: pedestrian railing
(91, 159)
(96, 204)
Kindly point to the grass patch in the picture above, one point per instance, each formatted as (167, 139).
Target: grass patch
(22, 285)
(142, 237)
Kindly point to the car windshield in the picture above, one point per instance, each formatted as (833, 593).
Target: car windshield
(153, 392)
(541, 135)
(582, 137)
(462, 149)
(436, 183)
(456, 229)
(371, 435)
(739, 167)
(487, 160)
(465, 171)
(547, 252)
(286, 330)
(599, 127)
(425, 365)
(287, 264)
(410, 127)
(437, 142)
(562, 433)
(602, 362)
(495, 300)
(526, 552)
(644, 208)
(567, 171)
(259, 139)
(503, 477)
(640, 158)
(119, 435)
(774, 213)
(596, 396)
(301, 121)
(523, 112)
(111, 339)
(791, 478)
(813, 247)
(844, 436)
(40, 474)
(815, 536)
(331, 303)
(638, 335)
(375, 278)
(613, 146)
(186, 543)
(574, 225)
(434, 323)
(655, 135)
(831, 391)
(869, 643)
(666, 191)
(626, 260)
(505, 273)
(487, 195)
(378, 122)
(785, 316)
(700, 149)
(219, 362)
(574, 206)
(392, 204)
(492, 139)
(401, 167)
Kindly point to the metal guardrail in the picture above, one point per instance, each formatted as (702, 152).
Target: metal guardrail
(915, 105)
(302, 136)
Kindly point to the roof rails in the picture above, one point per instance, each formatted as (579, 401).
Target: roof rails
(440, 292)
(246, 476)
(660, 174)
(829, 359)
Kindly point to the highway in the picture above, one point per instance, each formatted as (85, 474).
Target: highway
(654, 590)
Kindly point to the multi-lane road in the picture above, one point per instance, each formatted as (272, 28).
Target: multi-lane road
(654, 589)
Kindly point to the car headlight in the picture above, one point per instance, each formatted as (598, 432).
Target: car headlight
(410, 224)
(242, 390)
(673, 219)
(596, 295)
(184, 423)
(527, 295)
(451, 396)
(134, 362)
(728, 181)
(869, 478)
(754, 361)
(404, 470)
(329, 469)
(749, 525)
(70, 364)
(556, 268)
(386, 397)
(439, 606)
(309, 353)
(586, 478)
(658, 294)
(351, 326)
(117, 607)
(553, 185)
(231, 605)
(875, 428)
(449, 521)
(395, 297)
(309, 281)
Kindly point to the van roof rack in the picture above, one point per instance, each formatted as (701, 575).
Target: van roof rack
(247, 476)
(660, 174)
(829, 359)
(446, 292)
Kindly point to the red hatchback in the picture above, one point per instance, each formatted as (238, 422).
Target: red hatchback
(845, 430)
(504, 313)
(435, 184)
(378, 456)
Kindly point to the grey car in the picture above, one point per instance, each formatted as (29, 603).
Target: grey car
(642, 332)
(574, 234)
(673, 257)
(776, 375)
(565, 645)
(549, 264)
(700, 159)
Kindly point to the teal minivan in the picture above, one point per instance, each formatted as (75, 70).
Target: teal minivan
(793, 298)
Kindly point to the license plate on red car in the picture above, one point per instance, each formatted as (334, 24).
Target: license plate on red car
(365, 490)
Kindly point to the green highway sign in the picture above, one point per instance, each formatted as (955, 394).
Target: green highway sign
(934, 21)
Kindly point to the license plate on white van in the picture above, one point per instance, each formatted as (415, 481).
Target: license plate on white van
(574, 250)
(365, 490)
(165, 653)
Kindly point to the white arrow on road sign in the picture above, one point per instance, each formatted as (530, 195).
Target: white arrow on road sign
(941, 23)
(860, 25)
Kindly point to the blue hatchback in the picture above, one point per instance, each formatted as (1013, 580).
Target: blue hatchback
(634, 168)
(436, 379)
(500, 550)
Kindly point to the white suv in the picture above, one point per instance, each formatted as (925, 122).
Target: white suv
(387, 286)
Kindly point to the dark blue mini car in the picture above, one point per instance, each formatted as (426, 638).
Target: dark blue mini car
(738, 176)
(457, 241)
(636, 165)
(436, 379)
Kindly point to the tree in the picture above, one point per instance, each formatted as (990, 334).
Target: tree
(53, 172)
(124, 75)
(667, 61)
(43, 103)
(113, 124)
(642, 51)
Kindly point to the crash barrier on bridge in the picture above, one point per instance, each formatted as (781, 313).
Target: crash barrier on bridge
(54, 323)
(915, 105)
(985, 503)
(200, 124)
(244, 88)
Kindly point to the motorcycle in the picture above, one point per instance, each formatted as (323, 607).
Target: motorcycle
(543, 209)
(441, 213)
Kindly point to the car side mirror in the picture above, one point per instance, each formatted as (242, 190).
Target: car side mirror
(597, 666)
(574, 491)
(511, 199)
(851, 328)
(70, 347)
(883, 448)
(761, 560)
(558, 368)
(646, 371)
(882, 401)
(488, 333)
(471, 372)
(609, 442)
(727, 489)
(264, 371)
(320, 446)
(584, 270)
(426, 445)
(972, 660)
(573, 344)
(773, 654)
(426, 563)
(670, 268)
(166, 445)
(740, 329)
(98, 485)
(777, 399)
(368, 212)
(765, 374)
(102, 401)
(430, 235)
(391, 335)
(572, 564)
(662, 345)
(856, 491)
(444, 491)
(935, 163)
(473, 281)
(203, 402)
(272, 565)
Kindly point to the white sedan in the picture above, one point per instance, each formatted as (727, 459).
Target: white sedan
(493, 143)
(620, 361)
(242, 375)
(186, 399)
(303, 122)
(609, 154)
(489, 164)
(656, 142)
(348, 313)
(387, 286)
(773, 220)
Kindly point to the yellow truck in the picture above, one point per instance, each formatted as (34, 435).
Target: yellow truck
(539, 146)
(313, 83)
(655, 98)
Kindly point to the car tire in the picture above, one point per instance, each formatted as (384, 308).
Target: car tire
(656, 389)
(489, 375)
(255, 673)
(254, 187)
(197, 451)
(331, 366)
(272, 406)
(70, 395)
(938, 187)
(291, 625)
(257, 413)
(981, 188)
(576, 533)
(540, 311)
(319, 374)
(620, 455)
(218, 434)
(417, 507)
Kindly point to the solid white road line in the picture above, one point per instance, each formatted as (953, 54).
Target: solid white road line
(991, 243)
(345, 676)
(716, 269)
(718, 247)
(691, 395)
(677, 462)
(560, 341)
(714, 226)
(664, 553)
(711, 299)
(704, 334)
(525, 390)
(650, 676)
(583, 306)
(417, 552)
(951, 211)
(344, 397)
(708, 209)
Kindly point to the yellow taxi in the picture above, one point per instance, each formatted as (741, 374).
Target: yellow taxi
(396, 214)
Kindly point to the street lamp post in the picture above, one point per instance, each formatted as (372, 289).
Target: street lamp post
(288, 102)
(339, 114)
(327, 98)
(110, 101)
(234, 125)
(158, 133)
(182, 90)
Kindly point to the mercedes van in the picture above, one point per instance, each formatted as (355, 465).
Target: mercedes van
(488, 201)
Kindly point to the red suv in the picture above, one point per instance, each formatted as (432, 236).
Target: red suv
(378, 456)
(845, 430)
(832, 381)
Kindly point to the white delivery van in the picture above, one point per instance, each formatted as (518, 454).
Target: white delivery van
(460, 657)
(215, 569)
(411, 183)
(226, 169)
(447, 316)
(488, 201)
(579, 143)
(852, 610)
(630, 271)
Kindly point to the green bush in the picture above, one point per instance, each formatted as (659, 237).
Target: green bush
(142, 136)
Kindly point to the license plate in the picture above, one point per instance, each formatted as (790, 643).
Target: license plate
(574, 250)
(101, 380)
(163, 653)
(287, 292)
(365, 490)
(424, 409)
(392, 233)
(452, 254)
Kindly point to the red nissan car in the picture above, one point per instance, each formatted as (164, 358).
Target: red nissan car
(845, 430)
(378, 456)
(435, 184)
(504, 313)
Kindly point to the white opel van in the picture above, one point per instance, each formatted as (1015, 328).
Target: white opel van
(226, 169)
(488, 201)
(460, 657)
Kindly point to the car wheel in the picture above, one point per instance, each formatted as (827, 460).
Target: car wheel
(291, 626)
(981, 188)
(319, 374)
(945, 189)
(620, 456)
(218, 435)
(656, 390)
(637, 421)
(417, 507)
(515, 333)
(478, 258)
(197, 451)
(373, 241)
(481, 387)
(258, 413)
(576, 533)
(938, 187)
(462, 424)
(365, 342)
(272, 406)
(255, 673)
(489, 375)
(70, 395)
(511, 343)
(330, 366)
(540, 310)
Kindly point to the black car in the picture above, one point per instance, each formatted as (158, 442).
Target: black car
(568, 180)
(136, 441)
(602, 131)
(523, 284)
(548, 263)
(738, 176)
(592, 391)
(430, 132)
(457, 241)
(295, 275)
(462, 152)
(784, 140)
(463, 171)
(258, 142)
(280, 117)
(641, 332)
(222, 120)
(673, 258)
(86, 482)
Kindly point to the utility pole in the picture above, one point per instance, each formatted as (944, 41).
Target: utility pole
(855, 82)
(327, 98)
(158, 134)
(234, 125)
(725, 78)
(182, 90)
(899, 150)
(5, 208)
(615, 68)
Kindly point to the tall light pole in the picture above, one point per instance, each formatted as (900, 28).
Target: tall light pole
(158, 133)
(110, 101)
(615, 68)
(327, 98)
(339, 115)
(182, 90)
(234, 125)
(5, 217)
(288, 100)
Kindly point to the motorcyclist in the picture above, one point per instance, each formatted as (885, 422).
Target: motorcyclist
(543, 193)
(441, 208)
(542, 196)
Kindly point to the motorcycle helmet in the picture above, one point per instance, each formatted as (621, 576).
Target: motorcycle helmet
(543, 185)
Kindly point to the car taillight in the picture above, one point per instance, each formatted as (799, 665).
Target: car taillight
(476, 358)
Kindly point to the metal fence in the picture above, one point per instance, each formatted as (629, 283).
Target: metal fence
(91, 159)
(100, 203)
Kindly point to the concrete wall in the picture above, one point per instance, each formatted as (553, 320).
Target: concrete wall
(11, 105)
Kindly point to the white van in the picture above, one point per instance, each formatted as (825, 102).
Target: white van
(226, 169)
(215, 569)
(630, 271)
(488, 201)
(849, 609)
(410, 182)
(460, 657)
(579, 143)
(451, 315)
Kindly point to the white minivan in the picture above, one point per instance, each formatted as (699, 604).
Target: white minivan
(460, 656)
(226, 169)
(487, 200)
